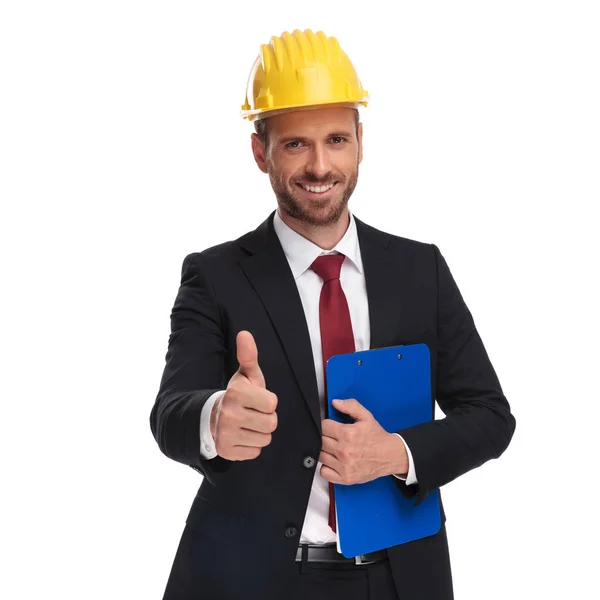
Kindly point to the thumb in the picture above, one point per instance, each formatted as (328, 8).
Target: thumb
(247, 356)
(353, 408)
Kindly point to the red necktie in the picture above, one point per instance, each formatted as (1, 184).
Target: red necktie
(336, 327)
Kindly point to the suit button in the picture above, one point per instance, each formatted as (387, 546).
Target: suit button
(291, 532)
(309, 462)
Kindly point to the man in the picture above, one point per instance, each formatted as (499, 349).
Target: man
(242, 398)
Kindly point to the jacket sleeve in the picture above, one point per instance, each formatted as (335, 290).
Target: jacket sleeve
(478, 424)
(194, 370)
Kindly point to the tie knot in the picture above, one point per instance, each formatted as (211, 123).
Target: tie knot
(328, 266)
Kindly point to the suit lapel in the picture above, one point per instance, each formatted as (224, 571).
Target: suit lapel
(269, 273)
(386, 287)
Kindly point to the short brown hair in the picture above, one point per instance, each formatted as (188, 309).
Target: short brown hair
(262, 128)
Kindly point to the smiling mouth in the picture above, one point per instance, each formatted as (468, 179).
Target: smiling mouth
(317, 189)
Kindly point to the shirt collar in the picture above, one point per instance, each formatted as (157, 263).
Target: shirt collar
(301, 253)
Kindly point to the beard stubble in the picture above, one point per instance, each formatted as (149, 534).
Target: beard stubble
(313, 213)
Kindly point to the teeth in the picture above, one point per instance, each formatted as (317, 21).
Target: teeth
(317, 189)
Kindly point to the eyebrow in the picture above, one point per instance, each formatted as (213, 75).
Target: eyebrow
(300, 138)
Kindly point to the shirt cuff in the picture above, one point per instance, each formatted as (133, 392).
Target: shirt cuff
(207, 443)
(411, 476)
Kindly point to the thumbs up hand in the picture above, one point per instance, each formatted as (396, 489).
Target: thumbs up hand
(244, 419)
(247, 355)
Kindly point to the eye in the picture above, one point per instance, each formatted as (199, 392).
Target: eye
(294, 144)
(338, 139)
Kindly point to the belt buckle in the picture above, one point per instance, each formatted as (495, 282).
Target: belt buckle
(358, 560)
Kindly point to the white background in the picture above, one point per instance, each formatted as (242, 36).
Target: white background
(122, 150)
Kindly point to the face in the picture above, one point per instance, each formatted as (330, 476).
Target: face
(312, 159)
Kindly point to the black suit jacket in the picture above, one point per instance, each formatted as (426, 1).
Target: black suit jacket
(244, 525)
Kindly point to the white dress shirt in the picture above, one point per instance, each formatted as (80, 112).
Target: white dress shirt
(301, 253)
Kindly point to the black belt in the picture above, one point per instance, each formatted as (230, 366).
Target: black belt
(328, 554)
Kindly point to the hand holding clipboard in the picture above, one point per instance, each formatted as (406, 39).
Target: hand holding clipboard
(394, 384)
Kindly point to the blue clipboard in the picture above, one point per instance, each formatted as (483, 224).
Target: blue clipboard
(394, 383)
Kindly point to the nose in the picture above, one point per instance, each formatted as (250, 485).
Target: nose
(319, 164)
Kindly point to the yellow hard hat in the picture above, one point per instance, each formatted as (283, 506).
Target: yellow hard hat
(301, 69)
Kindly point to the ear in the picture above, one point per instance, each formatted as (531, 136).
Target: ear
(259, 153)
(360, 134)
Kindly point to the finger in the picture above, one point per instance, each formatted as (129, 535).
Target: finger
(329, 445)
(330, 474)
(255, 420)
(259, 400)
(329, 459)
(353, 408)
(247, 356)
(245, 437)
(243, 453)
(332, 429)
